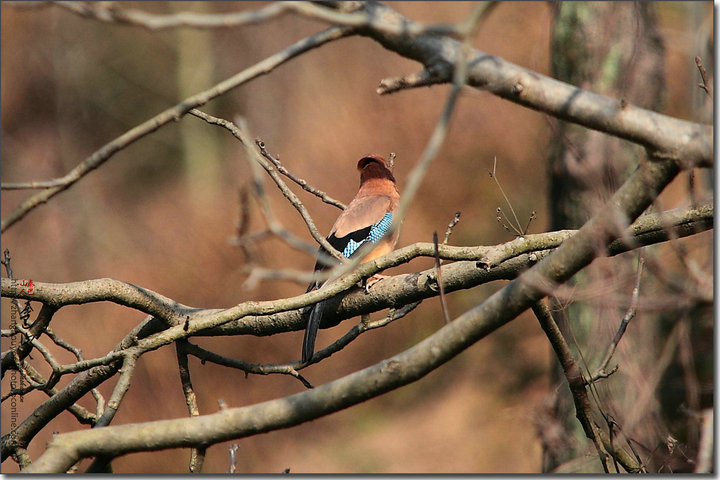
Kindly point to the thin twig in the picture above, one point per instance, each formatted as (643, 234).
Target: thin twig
(233, 459)
(705, 85)
(121, 388)
(197, 454)
(54, 364)
(242, 237)
(12, 356)
(24, 369)
(422, 78)
(516, 226)
(601, 371)
(257, 159)
(248, 240)
(258, 369)
(257, 274)
(391, 161)
(438, 276)
(37, 382)
(398, 313)
(8, 269)
(691, 187)
(79, 355)
(532, 217)
(360, 328)
(303, 183)
(6, 262)
(79, 366)
(450, 227)
(151, 21)
(273, 225)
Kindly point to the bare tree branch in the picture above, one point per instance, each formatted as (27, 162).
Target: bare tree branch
(451, 225)
(575, 381)
(601, 371)
(197, 454)
(247, 367)
(438, 276)
(705, 455)
(705, 85)
(79, 355)
(349, 17)
(304, 184)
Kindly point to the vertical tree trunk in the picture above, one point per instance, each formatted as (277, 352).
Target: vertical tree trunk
(200, 147)
(612, 48)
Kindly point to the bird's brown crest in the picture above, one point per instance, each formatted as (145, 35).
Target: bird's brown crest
(374, 166)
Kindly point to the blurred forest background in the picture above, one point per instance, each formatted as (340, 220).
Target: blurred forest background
(161, 214)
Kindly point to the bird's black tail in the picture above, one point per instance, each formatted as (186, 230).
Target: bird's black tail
(316, 311)
(313, 325)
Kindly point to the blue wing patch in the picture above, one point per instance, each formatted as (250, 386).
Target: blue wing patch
(377, 231)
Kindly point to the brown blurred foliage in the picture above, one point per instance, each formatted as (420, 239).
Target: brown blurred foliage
(159, 214)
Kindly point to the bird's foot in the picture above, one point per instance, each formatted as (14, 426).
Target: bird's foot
(369, 282)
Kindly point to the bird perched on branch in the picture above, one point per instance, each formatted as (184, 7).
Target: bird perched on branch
(366, 219)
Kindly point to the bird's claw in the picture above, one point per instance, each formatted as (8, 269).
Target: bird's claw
(369, 282)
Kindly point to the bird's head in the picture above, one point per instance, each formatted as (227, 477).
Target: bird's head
(374, 166)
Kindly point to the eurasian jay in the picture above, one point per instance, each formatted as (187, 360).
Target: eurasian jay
(366, 219)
